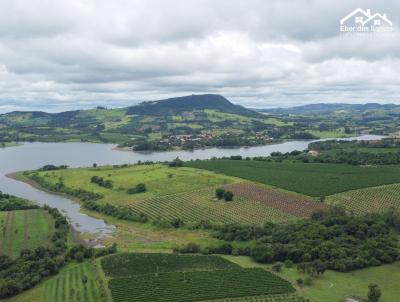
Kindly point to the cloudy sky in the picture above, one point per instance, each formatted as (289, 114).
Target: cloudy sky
(65, 54)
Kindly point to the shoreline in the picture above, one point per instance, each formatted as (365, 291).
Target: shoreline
(77, 236)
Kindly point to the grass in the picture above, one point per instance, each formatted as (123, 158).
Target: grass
(185, 193)
(336, 286)
(198, 205)
(197, 286)
(369, 200)
(133, 264)
(67, 286)
(309, 179)
(135, 236)
(24, 229)
(159, 179)
(185, 278)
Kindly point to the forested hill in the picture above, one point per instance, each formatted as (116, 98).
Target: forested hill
(179, 105)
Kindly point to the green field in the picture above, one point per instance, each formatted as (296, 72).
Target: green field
(127, 265)
(184, 193)
(369, 200)
(24, 229)
(335, 286)
(197, 286)
(198, 205)
(309, 179)
(159, 179)
(185, 278)
(67, 286)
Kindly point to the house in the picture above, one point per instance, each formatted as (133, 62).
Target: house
(356, 18)
(378, 20)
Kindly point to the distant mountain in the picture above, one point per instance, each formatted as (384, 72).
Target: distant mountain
(327, 107)
(174, 106)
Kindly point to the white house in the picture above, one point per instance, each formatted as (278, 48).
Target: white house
(357, 17)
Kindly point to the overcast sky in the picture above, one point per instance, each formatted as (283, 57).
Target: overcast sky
(65, 54)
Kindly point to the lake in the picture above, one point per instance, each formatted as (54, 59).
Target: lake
(31, 156)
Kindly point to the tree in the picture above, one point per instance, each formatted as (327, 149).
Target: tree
(228, 196)
(219, 193)
(374, 293)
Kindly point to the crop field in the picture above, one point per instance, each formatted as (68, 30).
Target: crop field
(265, 298)
(291, 204)
(310, 179)
(185, 278)
(126, 265)
(160, 180)
(197, 286)
(24, 229)
(199, 205)
(369, 200)
(69, 285)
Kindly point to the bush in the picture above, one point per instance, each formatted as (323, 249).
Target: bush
(308, 281)
(228, 196)
(219, 193)
(139, 188)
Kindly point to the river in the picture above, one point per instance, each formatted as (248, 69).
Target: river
(31, 156)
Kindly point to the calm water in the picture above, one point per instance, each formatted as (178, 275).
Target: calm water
(35, 155)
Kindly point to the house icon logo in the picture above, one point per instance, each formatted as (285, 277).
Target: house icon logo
(363, 21)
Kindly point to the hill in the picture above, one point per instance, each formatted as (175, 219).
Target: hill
(178, 105)
(184, 122)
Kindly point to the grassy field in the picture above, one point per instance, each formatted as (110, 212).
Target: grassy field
(68, 286)
(133, 264)
(197, 205)
(369, 200)
(187, 278)
(335, 286)
(184, 193)
(24, 229)
(159, 179)
(309, 179)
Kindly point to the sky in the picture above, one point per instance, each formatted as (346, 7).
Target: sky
(58, 55)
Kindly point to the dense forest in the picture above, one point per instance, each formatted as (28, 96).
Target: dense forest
(330, 239)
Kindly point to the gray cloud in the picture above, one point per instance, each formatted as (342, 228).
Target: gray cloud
(58, 55)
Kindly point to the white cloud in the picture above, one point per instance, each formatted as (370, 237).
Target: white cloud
(66, 54)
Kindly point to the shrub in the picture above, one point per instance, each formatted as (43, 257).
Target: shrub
(228, 196)
(139, 188)
(219, 193)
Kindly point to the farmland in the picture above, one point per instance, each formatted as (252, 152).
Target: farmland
(126, 265)
(159, 179)
(310, 179)
(24, 229)
(283, 201)
(68, 286)
(336, 286)
(188, 279)
(77, 282)
(180, 193)
(198, 205)
(369, 200)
